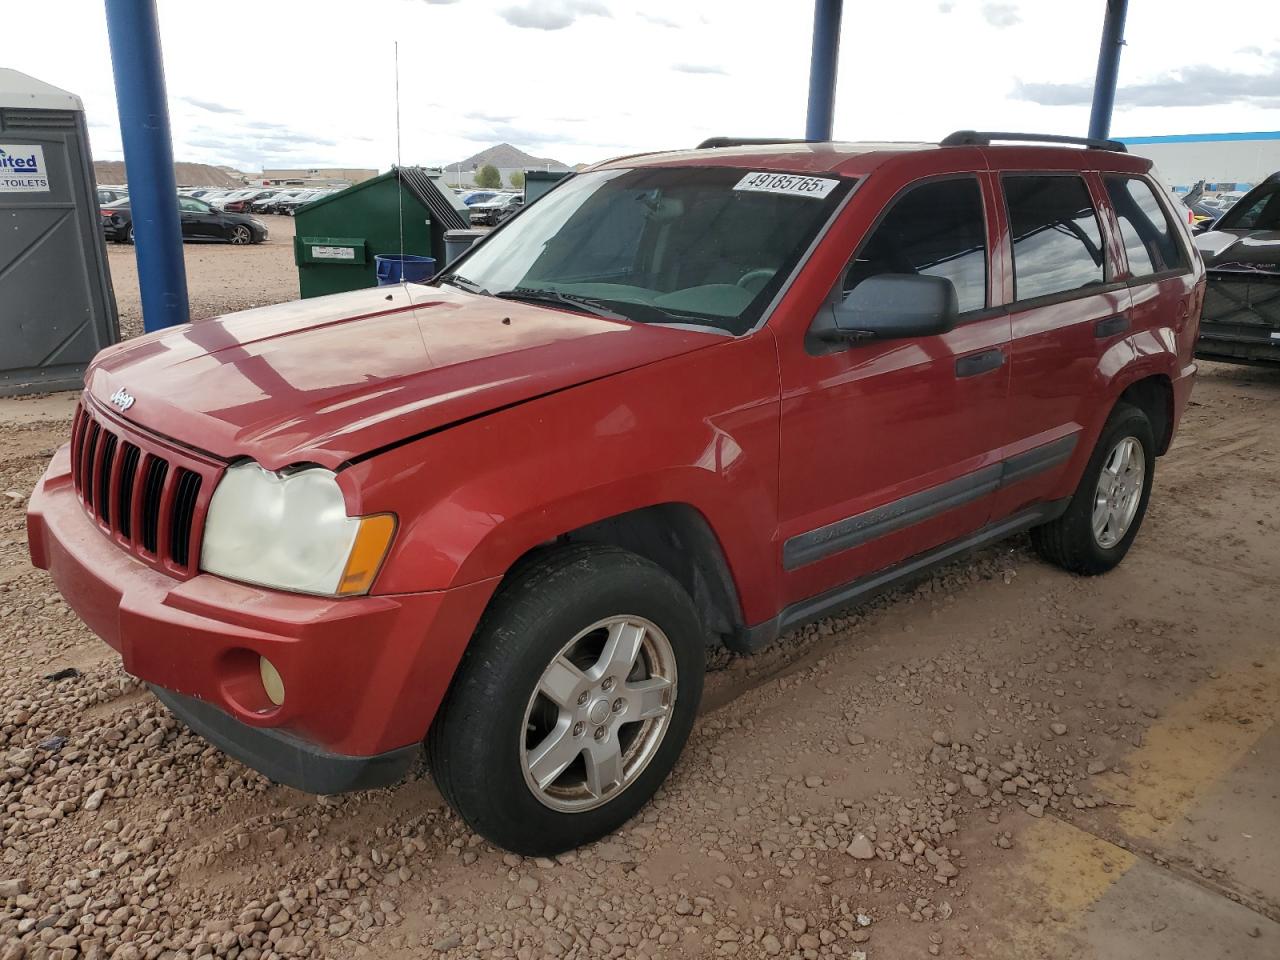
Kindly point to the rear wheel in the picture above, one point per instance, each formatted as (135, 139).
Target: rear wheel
(1108, 507)
(572, 702)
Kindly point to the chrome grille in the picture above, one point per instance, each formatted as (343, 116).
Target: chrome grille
(149, 496)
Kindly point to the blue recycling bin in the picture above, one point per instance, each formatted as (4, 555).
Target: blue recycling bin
(393, 268)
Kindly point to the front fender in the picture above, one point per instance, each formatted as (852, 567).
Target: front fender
(699, 429)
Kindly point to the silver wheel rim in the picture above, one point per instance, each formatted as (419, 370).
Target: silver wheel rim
(240, 235)
(1115, 502)
(599, 713)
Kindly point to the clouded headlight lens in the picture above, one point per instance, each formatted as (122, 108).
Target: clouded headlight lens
(291, 531)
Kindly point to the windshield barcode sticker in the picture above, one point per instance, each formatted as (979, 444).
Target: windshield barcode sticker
(789, 183)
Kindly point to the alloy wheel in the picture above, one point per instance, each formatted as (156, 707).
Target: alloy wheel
(1119, 491)
(599, 713)
(240, 234)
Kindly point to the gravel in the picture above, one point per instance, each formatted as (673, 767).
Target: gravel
(842, 793)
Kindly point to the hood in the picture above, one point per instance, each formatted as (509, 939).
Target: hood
(1241, 251)
(327, 379)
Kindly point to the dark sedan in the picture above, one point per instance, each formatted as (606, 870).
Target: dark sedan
(199, 222)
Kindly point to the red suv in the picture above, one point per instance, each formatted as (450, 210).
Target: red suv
(684, 399)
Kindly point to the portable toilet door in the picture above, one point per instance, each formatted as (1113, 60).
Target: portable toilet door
(57, 308)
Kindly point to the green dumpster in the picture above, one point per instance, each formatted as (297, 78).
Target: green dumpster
(337, 237)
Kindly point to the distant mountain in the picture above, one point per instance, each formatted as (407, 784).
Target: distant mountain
(506, 157)
(187, 174)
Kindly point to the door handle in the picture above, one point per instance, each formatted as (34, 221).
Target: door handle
(1111, 326)
(979, 363)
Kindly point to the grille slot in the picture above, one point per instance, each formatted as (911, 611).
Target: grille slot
(86, 463)
(184, 511)
(152, 491)
(124, 500)
(103, 497)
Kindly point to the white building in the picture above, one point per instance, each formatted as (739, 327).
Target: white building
(1225, 161)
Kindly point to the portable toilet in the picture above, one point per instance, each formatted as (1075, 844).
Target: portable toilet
(57, 308)
(337, 237)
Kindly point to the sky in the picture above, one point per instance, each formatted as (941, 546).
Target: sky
(311, 83)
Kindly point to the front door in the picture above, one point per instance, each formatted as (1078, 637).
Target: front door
(198, 219)
(891, 447)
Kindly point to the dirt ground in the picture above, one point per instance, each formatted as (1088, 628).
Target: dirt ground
(1005, 761)
(220, 278)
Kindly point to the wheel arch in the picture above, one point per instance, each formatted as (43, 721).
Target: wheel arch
(679, 538)
(1153, 395)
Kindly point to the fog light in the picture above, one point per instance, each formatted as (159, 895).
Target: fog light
(271, 681)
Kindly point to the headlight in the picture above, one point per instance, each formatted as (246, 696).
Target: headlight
(291, 531)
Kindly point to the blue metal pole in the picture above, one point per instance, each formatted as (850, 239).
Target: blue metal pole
(138, 65)
(1104, 84)
(822, 69)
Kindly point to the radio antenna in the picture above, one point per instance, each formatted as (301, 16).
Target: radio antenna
(399, 173)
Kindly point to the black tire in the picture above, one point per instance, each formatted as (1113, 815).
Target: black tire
(1070, 541)
(128, 234)
(476, 747)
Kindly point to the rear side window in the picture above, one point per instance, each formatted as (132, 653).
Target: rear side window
(1149, 240)
(1057, 243)
(935, 229)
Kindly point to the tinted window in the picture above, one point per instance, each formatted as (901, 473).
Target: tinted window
(1260, 212)
(1057, 244)
(1149, 240)
(936, 229)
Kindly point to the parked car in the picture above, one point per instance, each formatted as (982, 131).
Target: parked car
(267, 203)
(244, 202)
(199, 222)
(290, 207)
(108, 195)
(1241, 322)
(472, 197)
(495, 211)
(703, 398)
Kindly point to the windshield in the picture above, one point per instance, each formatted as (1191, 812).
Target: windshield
(702, 245)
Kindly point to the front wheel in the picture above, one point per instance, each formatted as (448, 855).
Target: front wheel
(1107, 509)
(573, 701)
(240, 235)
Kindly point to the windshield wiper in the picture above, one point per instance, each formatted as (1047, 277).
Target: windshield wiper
(533, 295)
(462, 283)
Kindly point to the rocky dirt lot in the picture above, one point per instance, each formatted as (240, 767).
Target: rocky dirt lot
(220, 278)
(980, 766)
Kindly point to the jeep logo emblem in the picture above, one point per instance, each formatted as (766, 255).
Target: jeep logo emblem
(122, 399)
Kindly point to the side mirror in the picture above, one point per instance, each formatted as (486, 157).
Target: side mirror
(891, 306)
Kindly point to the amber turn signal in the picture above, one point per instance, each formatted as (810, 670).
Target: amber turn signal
(367, 553)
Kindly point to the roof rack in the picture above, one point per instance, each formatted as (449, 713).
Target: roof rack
(713, 142)
(983, 138)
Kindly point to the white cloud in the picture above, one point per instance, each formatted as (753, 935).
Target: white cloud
(551, 14)
(1001, 14)
(698, 68)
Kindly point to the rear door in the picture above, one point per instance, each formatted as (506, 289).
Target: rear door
(890, 447)
(1158, 263)
(1068, 301)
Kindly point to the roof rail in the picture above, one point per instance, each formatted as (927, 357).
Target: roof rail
(983, 138)
(713, 142)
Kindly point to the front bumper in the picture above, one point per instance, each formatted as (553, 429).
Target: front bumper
(363, 676)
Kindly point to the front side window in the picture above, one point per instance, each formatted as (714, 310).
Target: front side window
(936, 229)
(704, 245)
(1057, 243)
(1149, 240)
